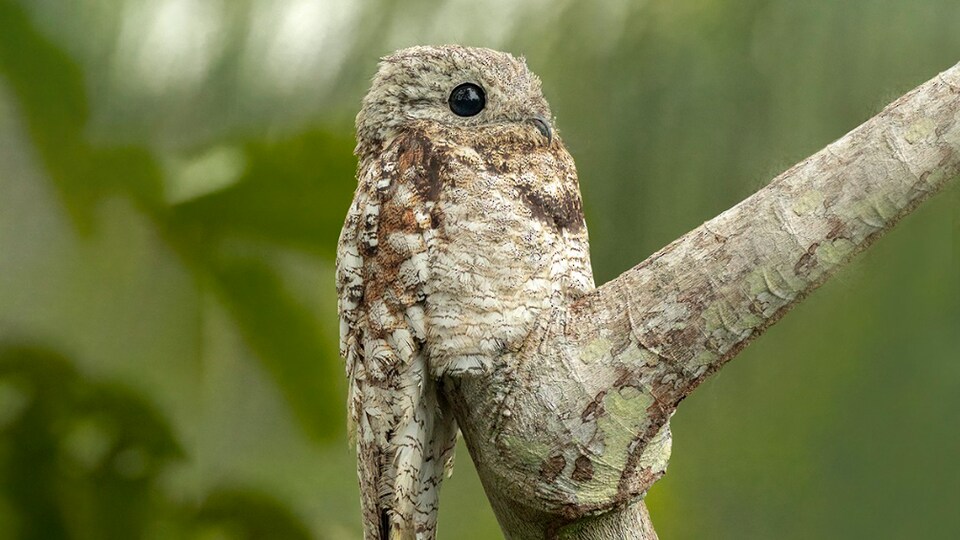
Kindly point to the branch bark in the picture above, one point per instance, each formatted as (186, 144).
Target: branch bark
(569, 433)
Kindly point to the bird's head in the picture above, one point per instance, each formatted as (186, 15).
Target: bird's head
(454, 87)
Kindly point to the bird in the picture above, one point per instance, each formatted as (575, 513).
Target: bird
(467, 223)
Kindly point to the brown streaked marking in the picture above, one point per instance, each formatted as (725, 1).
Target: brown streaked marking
(562, 212)
(837, 229)
(408, 221)
(552, 467)
(416, 152)
(807, 261)
(436, 218)
(594, 409)
(582, 469)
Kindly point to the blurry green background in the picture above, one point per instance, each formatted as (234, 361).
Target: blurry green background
(174, 174)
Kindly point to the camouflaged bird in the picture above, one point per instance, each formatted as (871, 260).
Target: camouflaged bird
(465, 225)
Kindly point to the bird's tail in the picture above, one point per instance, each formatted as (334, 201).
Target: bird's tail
(404, 447)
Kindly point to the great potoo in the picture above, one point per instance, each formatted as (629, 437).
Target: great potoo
(466, 224)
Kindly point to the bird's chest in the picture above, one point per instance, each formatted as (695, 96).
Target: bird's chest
(495, 266)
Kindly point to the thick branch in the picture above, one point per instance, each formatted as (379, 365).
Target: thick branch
(697, 302)
(576, 424)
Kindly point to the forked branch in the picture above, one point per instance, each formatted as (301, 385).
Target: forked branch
(576, 424)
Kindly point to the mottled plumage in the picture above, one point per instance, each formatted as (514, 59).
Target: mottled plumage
(462, 230)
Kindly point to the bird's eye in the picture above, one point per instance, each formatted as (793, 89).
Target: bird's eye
(468, 99)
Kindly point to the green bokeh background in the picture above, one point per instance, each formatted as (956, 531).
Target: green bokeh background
(174, 174)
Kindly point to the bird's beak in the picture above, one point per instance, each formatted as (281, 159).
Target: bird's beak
(543, 126)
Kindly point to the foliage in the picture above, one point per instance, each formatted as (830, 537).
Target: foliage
(171, 195)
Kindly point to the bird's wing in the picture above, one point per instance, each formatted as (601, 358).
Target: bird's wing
(403, 441)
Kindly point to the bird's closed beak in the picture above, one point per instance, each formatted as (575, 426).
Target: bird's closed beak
(543, 126)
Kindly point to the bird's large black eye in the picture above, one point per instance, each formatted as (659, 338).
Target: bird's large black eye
(467, 99)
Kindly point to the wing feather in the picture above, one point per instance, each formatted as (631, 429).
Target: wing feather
(404, 442)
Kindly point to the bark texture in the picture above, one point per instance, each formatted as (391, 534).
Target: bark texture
(570, 432)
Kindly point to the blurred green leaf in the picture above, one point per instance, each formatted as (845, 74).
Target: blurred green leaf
(295, 192)
(281, 198)
(80, 458)
(49, 88)
(28, 441)
(281, 332)
(250, 516)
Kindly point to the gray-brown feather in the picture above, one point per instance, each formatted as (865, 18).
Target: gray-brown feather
(461, 232)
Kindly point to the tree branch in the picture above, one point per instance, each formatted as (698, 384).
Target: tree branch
(576, 424)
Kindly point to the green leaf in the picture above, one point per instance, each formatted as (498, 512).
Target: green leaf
(295, 192)
(287, 339)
